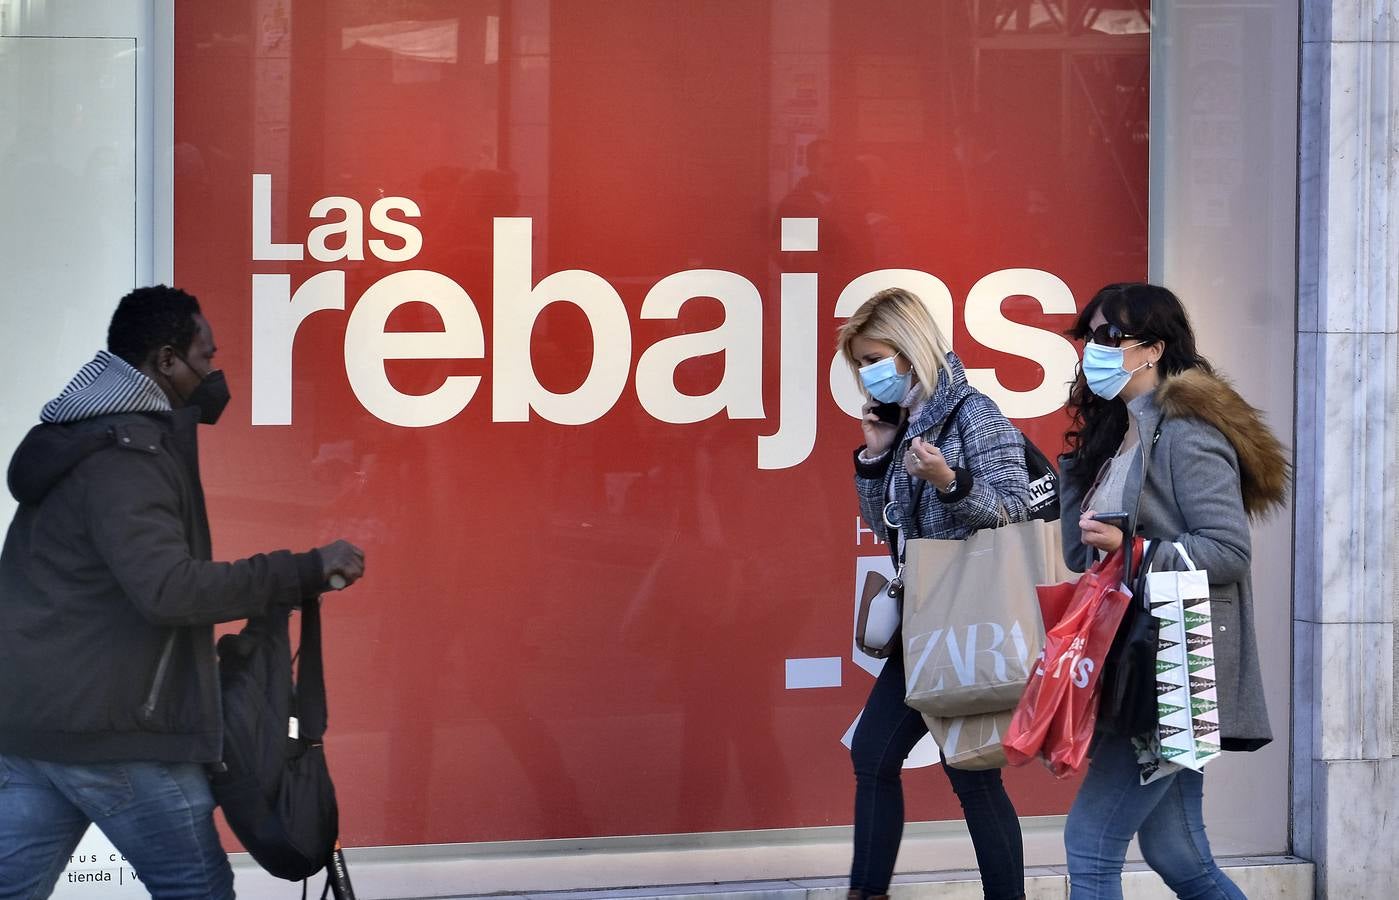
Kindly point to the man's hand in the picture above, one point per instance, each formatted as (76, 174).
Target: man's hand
(342, 564)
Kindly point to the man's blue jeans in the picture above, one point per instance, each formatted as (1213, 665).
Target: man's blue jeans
(158, 815)
(1113, 805)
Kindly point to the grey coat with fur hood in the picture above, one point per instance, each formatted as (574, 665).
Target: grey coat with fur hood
(1214, 465)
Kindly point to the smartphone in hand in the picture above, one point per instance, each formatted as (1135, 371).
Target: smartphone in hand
(887, 412)
(1113, 518)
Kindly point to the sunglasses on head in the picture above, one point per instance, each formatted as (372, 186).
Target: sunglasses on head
(1109, 335)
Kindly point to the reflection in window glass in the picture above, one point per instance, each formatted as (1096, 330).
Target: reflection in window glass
(502, 292)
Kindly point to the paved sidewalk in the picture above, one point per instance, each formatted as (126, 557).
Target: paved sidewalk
(1269, 878)
(665, 871)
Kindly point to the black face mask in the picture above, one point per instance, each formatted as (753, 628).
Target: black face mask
(211, 397)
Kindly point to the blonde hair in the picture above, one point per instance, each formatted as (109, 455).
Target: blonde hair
(898, 318)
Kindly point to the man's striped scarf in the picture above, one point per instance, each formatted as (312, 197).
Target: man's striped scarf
(108, 384)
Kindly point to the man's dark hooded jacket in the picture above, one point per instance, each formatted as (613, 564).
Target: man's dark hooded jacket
(107, 558)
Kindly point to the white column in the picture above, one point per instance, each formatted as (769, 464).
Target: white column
(1345, 774)
(76, 206)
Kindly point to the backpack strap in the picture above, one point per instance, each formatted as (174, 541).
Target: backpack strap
(951, 418)
(919, 485)
(310, 674)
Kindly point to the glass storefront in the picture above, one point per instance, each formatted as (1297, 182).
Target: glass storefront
(536, 302)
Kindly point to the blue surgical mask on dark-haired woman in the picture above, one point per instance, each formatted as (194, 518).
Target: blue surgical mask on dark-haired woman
(1103, 369)
(883, 381)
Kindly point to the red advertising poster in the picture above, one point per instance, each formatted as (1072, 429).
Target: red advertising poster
(536, 301)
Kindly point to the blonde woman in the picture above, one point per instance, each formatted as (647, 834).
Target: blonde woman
(972, 479)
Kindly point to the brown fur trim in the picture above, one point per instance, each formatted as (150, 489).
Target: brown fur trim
(1264, 468)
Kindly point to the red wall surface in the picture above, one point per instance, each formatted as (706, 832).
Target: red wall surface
(579, 609)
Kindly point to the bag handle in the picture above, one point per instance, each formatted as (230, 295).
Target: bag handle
(1180, 551)
(310, 674)
(1149, 549)
(1148, 558)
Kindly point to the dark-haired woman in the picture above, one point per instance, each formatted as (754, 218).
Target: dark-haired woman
(1158, 435)
(974, 478)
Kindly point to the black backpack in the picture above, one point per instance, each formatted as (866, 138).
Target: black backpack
(274, 787)
(1044, 484)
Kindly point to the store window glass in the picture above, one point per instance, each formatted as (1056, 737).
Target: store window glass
(506, 296)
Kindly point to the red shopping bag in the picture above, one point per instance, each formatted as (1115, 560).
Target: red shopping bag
(1071, 731)
(1056, 714)
(1055, 600)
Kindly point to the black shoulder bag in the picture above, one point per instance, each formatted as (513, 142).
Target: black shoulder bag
(1128, 704)
(1043, 503)
(275, 787)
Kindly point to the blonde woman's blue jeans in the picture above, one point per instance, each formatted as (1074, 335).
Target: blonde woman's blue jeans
(1112, 806)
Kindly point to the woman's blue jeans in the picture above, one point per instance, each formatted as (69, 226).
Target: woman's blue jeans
(1113, 805)
(887, 733)
(158, 815)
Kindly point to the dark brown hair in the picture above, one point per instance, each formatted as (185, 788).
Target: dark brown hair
(1147, 313)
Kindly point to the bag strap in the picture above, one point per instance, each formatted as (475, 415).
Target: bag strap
(910, 516)
(894, 531)
(911, 521)
(890, 529)
(310, 674)
(1127, 569)
(1144, 569)
(952, 418)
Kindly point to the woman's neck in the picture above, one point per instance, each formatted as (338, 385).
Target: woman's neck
(1144, 383)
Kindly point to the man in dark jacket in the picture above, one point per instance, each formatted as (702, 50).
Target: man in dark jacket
(109, 697)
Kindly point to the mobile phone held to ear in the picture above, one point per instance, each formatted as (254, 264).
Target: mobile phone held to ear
(887, 412)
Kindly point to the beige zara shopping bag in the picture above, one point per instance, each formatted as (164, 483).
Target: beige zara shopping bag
(971, 619)
(972, 742)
